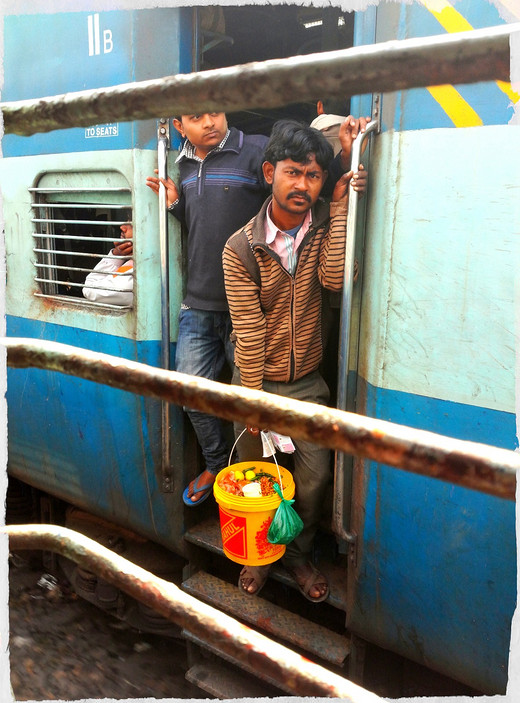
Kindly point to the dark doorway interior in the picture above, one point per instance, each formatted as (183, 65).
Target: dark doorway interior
(236, 35)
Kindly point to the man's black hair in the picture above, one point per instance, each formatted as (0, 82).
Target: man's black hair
(296, 141)
(336, 106)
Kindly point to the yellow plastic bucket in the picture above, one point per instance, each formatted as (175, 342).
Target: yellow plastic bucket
(245, 521)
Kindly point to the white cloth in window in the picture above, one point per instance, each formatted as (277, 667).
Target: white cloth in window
(113, 289)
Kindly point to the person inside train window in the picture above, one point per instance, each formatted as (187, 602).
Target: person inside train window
(222, 186)
(274, 269)
(112, 279)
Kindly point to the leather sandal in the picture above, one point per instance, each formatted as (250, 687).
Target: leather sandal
(258, 574)
(305, 581)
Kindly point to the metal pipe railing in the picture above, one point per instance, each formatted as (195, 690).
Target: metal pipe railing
(472, 465)
(464, 57)
(300, 675)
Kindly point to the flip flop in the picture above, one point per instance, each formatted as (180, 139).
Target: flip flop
(205, 490)
(259, 574)
(312, 579)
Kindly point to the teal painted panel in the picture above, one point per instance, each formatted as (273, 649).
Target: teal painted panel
(17, 175)
(91, 50)
(442, 246)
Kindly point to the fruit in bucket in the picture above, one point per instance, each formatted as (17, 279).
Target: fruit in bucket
(256, 484)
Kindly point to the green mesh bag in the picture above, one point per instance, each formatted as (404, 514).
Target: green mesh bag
(286, 524)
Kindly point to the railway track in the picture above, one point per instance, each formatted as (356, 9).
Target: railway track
(64, 648)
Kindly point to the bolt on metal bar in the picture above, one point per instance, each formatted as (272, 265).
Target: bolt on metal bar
(472, 465)
(464, 57)
(302, 676)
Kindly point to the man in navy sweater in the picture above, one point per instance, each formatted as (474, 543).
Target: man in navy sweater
(221, 188)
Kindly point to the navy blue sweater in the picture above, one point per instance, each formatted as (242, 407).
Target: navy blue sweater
(216, 197)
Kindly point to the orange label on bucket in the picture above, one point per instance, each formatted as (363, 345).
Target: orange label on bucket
(234, 534)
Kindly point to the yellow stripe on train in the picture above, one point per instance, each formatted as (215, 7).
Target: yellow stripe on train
(458, 110)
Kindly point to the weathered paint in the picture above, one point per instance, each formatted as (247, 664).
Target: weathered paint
(95, 446)
(133, 45)
(442, 243)
(131, 167)
(300, 675)
(435, 577)
(446, 105)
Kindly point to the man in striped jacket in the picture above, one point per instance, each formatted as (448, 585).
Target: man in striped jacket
(274, 269)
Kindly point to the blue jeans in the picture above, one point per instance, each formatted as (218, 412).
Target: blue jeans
(203, 347)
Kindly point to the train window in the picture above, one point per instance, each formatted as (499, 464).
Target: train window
(77, 217)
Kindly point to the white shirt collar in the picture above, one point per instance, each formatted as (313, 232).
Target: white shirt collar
(188, 150)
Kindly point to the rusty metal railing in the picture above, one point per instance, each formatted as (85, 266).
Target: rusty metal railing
(472, 465)
(257, 651)
(465, 57)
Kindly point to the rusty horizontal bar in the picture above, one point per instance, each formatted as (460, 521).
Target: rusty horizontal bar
(231, 637)
(472, 465)
(464, 57)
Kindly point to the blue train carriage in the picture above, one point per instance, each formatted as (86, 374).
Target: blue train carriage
(65, 194)
(435, 565)
(418, 541)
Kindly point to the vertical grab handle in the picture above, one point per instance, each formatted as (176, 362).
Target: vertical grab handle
(163, 143)
(338, 525)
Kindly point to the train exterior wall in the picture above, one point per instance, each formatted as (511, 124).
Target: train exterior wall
(94, 446)
(436, 567)
(435, 576)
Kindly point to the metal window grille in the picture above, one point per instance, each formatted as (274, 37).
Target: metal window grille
(76, 222)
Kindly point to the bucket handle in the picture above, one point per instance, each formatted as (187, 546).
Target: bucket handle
(273, 455)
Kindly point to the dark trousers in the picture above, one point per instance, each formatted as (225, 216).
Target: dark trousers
(311, 463)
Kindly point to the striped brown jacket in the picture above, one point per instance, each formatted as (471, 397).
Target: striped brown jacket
(276, 316)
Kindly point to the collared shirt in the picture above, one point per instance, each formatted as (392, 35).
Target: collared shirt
(188, 150)
(285, 244)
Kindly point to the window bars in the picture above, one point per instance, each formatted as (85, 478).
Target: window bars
(75, 229)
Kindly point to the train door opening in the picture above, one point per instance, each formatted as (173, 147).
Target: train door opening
(229, 36)
(237, 35)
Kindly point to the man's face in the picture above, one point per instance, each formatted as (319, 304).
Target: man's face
(204, 131)
(296, 186)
